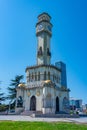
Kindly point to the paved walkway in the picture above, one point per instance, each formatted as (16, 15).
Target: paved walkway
(28, 118)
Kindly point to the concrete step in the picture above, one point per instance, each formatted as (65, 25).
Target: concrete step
(61, 112)
(30, 113)
(39, 114)
(56, 115)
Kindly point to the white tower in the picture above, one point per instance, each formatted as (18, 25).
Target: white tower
(43, 33)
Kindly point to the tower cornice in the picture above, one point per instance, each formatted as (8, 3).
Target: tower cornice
(44, 31)
(43, 14)
(42, 65)
(43, 21)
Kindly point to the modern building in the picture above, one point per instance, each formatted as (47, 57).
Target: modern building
(76, 104)
(84, 108)
(46, 88)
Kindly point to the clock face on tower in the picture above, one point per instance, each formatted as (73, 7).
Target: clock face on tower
(40, 27)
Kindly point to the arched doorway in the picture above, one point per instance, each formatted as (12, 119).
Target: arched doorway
(33, 103)
(57, 104)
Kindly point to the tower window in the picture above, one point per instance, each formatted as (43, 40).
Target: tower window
(57, 79)
(53, 77)
(38, 76)
(48, 75)
(32, 76)
(29, 77)
(40, 51)
(35, 76)
(45, 75)
(48, 52)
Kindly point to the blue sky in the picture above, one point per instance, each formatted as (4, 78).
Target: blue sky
(18, 41)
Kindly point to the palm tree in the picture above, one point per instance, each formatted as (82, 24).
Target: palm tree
(15, 82)
(13, 85)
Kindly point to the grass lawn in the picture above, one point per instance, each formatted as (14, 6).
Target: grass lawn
(16, 125)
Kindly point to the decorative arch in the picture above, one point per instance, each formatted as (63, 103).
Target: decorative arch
(33, 103)
(65, 103)
(48, 101)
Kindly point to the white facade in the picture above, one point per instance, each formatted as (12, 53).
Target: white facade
(44, 91)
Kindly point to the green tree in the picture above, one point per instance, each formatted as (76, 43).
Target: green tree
(13, 85)
(2, 98)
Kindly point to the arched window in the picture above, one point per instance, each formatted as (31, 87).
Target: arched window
(32, 76)
(45, 75)
(35, 76)
(48, 75)
(48, 52)
(57, 79)
(40, 51)
(57, 104)
(38, 76)
(29, 77)
(53, 77)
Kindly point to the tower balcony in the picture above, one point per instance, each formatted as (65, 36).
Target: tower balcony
(39, 53)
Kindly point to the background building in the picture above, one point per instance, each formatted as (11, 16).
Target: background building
(76, 104)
